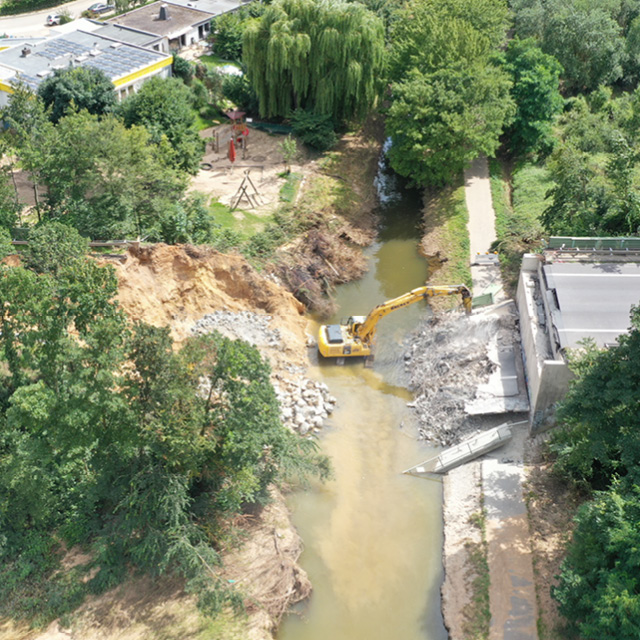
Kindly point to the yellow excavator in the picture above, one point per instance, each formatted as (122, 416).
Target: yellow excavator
(355, 338)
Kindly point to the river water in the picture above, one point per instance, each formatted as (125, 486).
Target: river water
(373, 537)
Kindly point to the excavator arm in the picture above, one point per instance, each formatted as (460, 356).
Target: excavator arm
(365, 331)
(356, 337)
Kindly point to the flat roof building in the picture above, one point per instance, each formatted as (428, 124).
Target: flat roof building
(126, 65)
(566, 295)
(215, 7)
(179, 26)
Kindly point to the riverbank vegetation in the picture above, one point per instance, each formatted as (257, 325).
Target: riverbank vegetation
(596, 449)
(118, 443)
(581, 179)
(445, 242)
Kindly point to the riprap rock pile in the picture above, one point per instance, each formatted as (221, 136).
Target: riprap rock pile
(304, 404)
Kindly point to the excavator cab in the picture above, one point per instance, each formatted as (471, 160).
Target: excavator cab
(338, 340)
(354, 323)
(355, 337)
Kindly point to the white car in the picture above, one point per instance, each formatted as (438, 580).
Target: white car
(53, 20)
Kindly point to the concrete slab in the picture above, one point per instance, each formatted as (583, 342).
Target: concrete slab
(505, 391)
(494, 406)
(487, 278)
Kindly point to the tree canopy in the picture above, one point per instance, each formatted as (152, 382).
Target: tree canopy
(598, 446)
(599, 587)
(595, 42)
(431, 34)
(324, 57)
(535, 92)
(112, 439)
(594, 167)
(449, 100)
(78, 87)
(442, 120)
(104, 179)
(164, 107)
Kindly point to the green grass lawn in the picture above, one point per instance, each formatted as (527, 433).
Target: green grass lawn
(209, 117)
(531, 182)
(217, 61)
(456, 237)
(446, 223)
(240, 221)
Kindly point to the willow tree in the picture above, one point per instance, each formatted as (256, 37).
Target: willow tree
(322, 56)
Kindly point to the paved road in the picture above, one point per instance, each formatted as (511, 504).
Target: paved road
(33, 24)
(594, 300)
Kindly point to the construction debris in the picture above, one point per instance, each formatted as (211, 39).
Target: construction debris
(450, 363)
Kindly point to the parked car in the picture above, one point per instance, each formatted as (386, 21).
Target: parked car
(53, 19)
(101, 7)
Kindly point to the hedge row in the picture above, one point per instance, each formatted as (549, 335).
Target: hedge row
(11, 7)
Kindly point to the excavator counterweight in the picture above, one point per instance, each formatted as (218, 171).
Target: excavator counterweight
(355, 338)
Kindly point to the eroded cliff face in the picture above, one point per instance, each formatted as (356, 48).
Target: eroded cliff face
(176, 286)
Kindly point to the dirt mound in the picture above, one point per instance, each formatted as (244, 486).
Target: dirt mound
(178, 285)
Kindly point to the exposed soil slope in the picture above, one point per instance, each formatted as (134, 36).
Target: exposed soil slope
(176, 285)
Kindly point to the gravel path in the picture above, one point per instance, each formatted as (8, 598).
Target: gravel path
(482, 218)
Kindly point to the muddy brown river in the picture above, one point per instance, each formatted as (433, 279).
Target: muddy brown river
(373, 537)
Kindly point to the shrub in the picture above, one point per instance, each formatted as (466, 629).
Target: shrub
(52, 246)
(240, 92)
(65, 17)
(598, 587)
(315, 130)
(182, 69)
(11, 7)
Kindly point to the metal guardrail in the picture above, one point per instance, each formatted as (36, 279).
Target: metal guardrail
(94, 244)
(594, 244)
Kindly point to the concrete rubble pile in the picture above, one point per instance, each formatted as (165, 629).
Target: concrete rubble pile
(446, 361)
(304, 403)
(243, 325)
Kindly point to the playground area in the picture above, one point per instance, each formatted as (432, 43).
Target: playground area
(255, 163)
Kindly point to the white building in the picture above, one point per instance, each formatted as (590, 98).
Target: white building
(178, 26)
(127, 65)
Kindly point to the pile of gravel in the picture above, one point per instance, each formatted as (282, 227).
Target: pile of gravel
(304, 404)
(242, 325)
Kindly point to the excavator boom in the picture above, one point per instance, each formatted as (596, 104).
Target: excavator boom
(355, 338)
